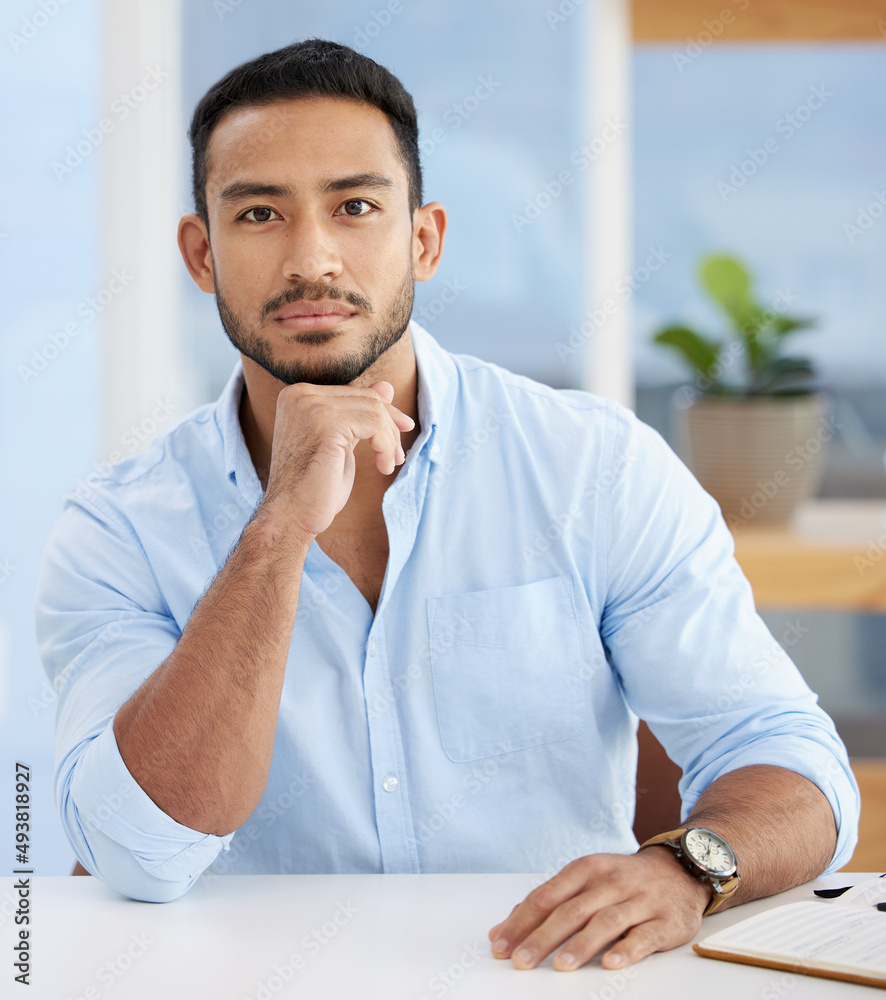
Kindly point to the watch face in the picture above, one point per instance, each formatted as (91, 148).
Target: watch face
(711, 853)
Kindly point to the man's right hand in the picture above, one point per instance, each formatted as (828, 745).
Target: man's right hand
(316, 429)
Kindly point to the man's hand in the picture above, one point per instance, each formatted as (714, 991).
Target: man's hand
(316, 429)
(643, 902)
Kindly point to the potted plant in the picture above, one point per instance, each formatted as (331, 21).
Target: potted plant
(752, 425)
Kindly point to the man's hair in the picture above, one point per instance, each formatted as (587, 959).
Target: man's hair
(312, 68)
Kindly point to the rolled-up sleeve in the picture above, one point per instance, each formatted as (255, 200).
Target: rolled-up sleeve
(696, 661)
(102, 629)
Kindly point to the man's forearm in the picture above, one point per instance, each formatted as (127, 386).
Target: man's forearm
(198, 735)
(779, 823)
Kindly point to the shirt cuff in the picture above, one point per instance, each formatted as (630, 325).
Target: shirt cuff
(107, 799)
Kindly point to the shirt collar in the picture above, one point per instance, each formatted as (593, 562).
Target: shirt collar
(437, 384)
(437, 388)
(238, 461)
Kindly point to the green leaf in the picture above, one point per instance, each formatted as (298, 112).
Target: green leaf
(785, 324)
(758, 354)
(729, 285)
(783, 369)
(701, 354)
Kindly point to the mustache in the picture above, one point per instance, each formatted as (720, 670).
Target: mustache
(303, 291)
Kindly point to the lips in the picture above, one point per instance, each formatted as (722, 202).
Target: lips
(321, 315)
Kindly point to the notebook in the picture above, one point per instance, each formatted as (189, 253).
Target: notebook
(844, 938)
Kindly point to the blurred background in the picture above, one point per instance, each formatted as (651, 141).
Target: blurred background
(587, 153)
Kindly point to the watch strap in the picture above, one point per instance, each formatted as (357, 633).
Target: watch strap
(721, 890)
(662, 837)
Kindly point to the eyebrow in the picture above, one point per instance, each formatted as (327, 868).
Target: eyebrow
(248, 189)
(364, 180)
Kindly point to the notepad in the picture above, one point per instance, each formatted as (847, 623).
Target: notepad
(843, 939)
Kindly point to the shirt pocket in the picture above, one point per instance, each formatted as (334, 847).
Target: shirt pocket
(501, 662)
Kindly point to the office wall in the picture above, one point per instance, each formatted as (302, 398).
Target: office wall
(776, 153)
(52, 291)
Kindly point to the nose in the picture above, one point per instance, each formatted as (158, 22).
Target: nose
(310, 251)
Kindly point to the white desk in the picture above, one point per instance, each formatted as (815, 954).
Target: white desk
(398, 937)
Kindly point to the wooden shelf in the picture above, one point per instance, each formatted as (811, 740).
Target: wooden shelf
(871, 850)
(831, 557)
(678, 21)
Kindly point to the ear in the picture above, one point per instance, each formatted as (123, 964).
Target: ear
(193, 241)
(428, 230)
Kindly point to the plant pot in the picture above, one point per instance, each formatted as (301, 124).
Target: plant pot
(759, 457)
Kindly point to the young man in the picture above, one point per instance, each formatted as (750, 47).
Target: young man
(385, 609)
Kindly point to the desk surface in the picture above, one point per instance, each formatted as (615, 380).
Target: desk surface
(342, 937)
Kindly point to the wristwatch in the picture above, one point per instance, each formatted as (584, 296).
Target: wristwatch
(707, 856)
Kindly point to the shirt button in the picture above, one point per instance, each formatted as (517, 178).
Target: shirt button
(373, 647)
(435, 449)
(390, 783)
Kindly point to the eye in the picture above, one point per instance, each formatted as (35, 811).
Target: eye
(261, 214)
(355, 207)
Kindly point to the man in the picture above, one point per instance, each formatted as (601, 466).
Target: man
(382, 608)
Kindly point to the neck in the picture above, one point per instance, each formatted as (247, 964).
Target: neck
(258, 407)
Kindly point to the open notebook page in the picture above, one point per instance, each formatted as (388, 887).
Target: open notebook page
(843, 939)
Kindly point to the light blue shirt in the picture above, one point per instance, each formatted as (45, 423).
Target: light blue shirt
(554, 573)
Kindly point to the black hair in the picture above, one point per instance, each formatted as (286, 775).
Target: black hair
(311, 68)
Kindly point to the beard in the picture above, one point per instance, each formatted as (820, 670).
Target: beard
(335, 371)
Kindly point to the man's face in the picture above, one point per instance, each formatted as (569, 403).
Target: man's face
(311, 237)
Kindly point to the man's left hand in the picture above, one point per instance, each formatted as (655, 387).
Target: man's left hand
(638, 904)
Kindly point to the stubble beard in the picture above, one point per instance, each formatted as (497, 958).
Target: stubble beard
(342, 370)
